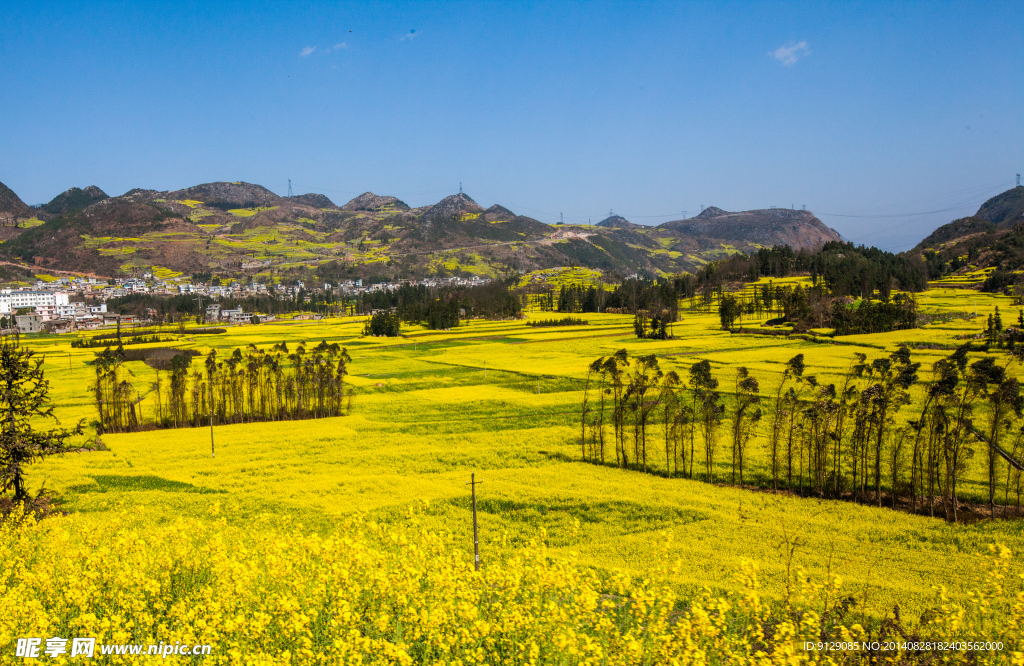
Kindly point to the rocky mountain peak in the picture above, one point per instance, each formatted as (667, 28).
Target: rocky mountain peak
(1006, 209)
(616, 222)
(497, 212)
(454, 205)
(313, 199)
(11, 204)
(221, 194)
(75, 199)
(710, 212)
(372, 202)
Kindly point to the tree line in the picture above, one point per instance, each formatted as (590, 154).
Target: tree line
(245, 387)
(863, 439)
(815, 307)
(179, 307)
(843, 268)
(442, 307)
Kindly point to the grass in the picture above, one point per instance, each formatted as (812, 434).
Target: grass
(501, 399)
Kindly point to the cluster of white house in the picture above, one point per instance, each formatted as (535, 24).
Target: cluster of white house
(51, 302)
(47, 304)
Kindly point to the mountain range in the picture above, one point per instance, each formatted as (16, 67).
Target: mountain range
(241, 228)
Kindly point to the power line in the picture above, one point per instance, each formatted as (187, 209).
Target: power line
(978, 195)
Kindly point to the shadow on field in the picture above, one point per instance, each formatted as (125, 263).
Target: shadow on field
(635, 517)
(554, 517)
(108, 483)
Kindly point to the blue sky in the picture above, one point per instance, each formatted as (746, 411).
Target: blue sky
(900, 116)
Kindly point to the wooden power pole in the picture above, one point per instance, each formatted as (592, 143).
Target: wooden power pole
(213, 452)
(476, 535)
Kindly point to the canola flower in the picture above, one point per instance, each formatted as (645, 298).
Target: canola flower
(371, 593)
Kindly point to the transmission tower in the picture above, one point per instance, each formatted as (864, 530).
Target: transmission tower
(561, 219)
(460, 187)
(1018, 180)
(289, 187)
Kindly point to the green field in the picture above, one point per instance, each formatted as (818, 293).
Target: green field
(501, 400)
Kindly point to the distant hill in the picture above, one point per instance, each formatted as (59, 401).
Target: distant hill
(454, 206)
(318, 200)
(498, 213)
(228, 195)
(11, 206)
(65, 240)
(372, 202)
(616, 222)
(957, 229)
(237, 229)
(773, 226)
(992, 237)
(74, 199)
(1004, 210)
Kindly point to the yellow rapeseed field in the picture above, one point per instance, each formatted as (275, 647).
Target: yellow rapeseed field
(350, 538)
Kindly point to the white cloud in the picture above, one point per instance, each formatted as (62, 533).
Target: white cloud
(409, 36)
(789, 54)
(306, 51)
(340, 45)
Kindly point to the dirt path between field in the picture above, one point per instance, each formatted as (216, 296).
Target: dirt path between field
(48, 271)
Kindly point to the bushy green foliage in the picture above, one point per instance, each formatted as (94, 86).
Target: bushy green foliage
(439, 307)
(636, 294)
(578, 298)
(382, 323)
(874, 316)
(655, 328)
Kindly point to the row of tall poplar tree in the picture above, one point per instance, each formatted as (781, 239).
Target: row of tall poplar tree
(864, 438)
(248, 386)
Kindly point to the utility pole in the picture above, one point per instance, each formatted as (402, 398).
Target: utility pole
(476, 535)
(213, 452)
